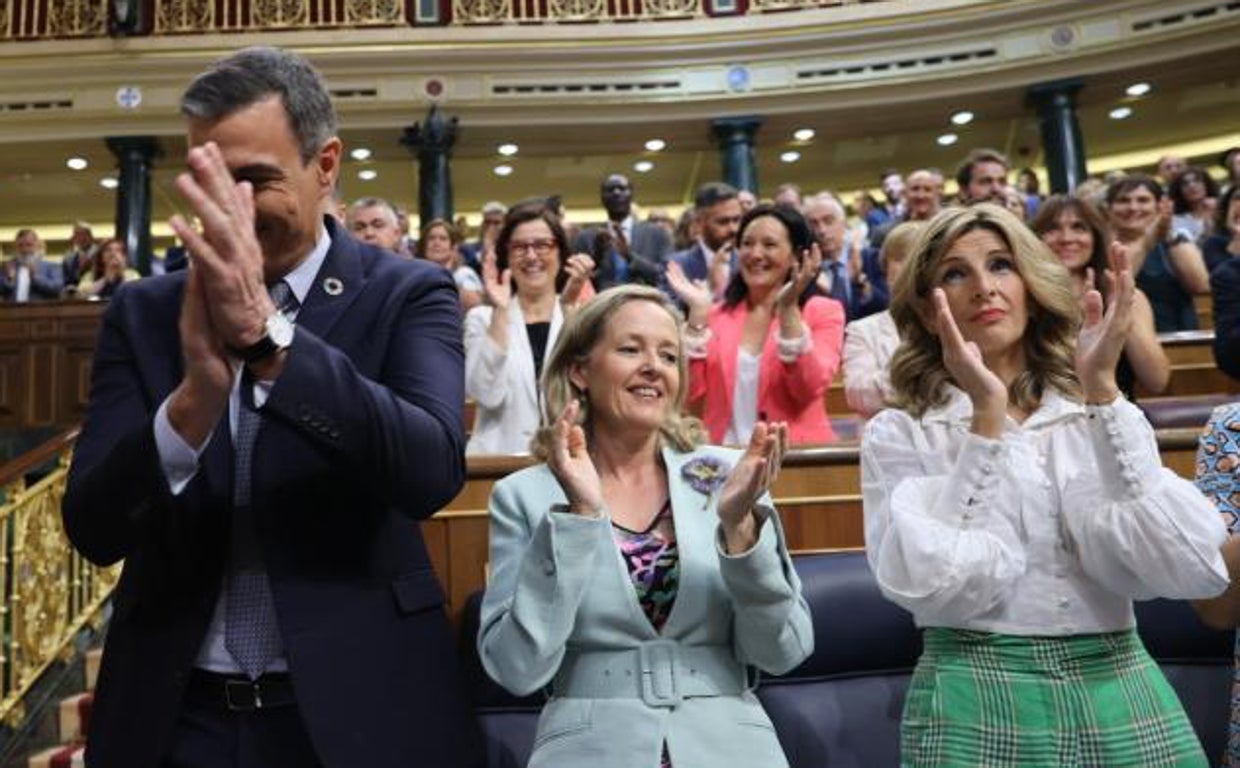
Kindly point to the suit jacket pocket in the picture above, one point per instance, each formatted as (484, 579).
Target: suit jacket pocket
(418, 591)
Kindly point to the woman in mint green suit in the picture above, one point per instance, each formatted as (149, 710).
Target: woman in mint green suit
(636, 576)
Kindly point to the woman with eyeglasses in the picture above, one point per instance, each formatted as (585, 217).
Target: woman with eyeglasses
(529, 282)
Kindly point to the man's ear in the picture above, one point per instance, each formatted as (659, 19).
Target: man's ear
(327, 163)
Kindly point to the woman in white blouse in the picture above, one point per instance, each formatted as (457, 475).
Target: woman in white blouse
(529, 281)
(870, 342)
(1015, 503)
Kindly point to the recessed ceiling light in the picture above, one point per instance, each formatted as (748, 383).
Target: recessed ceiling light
(790, 157)
(503, 170)
(507, 150)
(656, 145)
(1138, 89)
(963, 117)
(947, 139)
(643, 166)
(77, 163)
(803, 134)
(361, 153)
(109, 182)
(1120, 113)
(368, 174)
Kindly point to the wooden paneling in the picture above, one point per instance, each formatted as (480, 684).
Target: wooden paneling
(45, 354)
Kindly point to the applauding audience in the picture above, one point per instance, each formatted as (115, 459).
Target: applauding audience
(1075, 233)
(108, 268)
(769, 349)
(529, 281)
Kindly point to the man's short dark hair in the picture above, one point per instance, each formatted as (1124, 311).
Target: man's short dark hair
(712, 193)
(964, 171)
(252, 75)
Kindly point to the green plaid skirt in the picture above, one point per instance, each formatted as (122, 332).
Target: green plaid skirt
(982, 700)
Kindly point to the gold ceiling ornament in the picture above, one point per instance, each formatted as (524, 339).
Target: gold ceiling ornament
(279, 14)
(49, 591)
(77, 18)
(481, 11)
(184, 15)
(6, 7)
(374, 12)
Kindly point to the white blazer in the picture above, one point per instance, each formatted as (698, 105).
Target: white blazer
(502, 382)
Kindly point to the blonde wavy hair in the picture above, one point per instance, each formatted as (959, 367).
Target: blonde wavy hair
(582, 331)
(918, 376)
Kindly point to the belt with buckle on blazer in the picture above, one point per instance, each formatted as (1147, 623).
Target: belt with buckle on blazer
(661, 673)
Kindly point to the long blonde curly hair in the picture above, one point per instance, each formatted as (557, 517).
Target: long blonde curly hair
(918, 376)
(582, 331)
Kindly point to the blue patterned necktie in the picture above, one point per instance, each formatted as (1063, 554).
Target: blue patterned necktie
(251, 633)
(839, 283)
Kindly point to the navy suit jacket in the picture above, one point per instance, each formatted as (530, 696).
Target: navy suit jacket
(361, 438)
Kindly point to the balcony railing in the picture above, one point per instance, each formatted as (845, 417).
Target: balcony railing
(49, 591)
(48, 19)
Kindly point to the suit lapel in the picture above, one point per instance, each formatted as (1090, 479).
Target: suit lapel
(336, 286)
(688, 514)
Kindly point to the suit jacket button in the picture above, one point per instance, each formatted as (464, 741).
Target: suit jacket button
(548, 566)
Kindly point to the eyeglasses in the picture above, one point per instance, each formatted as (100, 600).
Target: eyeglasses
(537, 247)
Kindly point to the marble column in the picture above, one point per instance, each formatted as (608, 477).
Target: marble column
(1062, 144)
(431, 143)
(736, 153)
(134, 156)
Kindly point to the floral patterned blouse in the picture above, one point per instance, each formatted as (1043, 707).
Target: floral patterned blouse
(654, 566)
(1218, 477)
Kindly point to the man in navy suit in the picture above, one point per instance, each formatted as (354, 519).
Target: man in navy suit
(261, 464)
(717, 207)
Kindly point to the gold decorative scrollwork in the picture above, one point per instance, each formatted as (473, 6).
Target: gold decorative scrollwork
(184, 15)
(671, 8)
(77, 18)
(6, 7)
(49, 591)
(577, 10)
(481, 11)
(279, 14)
(364, 12)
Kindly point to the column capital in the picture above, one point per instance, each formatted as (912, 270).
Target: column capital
(144, 147)
(735, 130)
(435, 136)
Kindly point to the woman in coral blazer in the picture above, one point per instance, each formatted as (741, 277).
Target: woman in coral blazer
(769, 350)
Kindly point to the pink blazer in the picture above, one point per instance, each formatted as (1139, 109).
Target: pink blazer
(793, 392)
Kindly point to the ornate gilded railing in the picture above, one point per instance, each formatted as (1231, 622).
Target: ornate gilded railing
(53, 18)
(50, 592)
(44, 19)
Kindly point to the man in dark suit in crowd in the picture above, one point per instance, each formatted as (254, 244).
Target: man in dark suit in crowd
(858, 287)
(718, 210)
(29, 275)
(626, 250)
(261, 464)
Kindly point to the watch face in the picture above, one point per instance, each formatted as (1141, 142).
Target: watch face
(280, 330)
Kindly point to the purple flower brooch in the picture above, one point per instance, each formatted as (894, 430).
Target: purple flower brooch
(705, 473)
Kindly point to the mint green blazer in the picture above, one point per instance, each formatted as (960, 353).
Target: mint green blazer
(559, 585)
